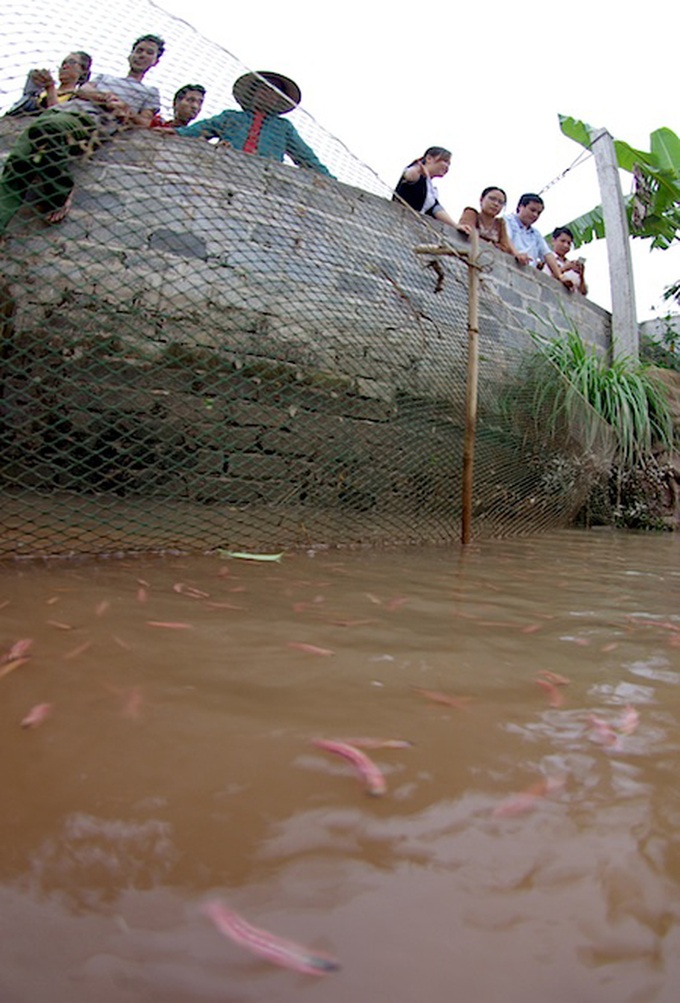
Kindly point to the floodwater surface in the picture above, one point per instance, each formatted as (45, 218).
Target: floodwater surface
(526, 847)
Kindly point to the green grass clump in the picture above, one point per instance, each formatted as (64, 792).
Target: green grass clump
(624, 393)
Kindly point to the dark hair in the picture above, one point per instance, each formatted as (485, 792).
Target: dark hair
(559, 230)
(493, 188)
(86, 63)
(185, 90)
(436, 151)
(530, 197)
(156, 39)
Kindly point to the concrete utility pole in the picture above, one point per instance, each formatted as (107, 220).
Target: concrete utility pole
(625, 340)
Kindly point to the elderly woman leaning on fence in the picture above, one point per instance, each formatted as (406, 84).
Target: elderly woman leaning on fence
(488, 222)
(42, 91)
(415, 186)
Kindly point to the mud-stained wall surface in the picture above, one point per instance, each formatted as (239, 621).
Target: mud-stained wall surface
(218, 328)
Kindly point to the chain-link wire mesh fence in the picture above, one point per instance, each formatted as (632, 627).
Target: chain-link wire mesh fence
(217, 349)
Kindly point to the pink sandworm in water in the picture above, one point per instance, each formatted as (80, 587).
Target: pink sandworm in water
(446, 699)
(610, 735)
(603, 732)
(37, 715)
(630, 719)
(170, 625)
(267, 945)
(555, 697)
(524, 801)
(18, 650)
(376, 743)
(373, 778)
(310, 649)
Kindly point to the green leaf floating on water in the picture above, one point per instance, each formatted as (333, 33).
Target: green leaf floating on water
(243, 556)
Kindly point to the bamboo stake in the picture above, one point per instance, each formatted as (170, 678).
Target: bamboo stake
(471, 256)
(471, 388)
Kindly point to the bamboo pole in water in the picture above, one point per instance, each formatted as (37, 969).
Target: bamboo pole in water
(471, 388)
(472, 259)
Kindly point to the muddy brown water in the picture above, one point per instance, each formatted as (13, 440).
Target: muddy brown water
(177, 767)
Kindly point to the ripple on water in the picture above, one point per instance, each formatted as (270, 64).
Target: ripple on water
(655, 668)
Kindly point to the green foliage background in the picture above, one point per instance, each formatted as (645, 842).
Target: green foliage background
(654, 209)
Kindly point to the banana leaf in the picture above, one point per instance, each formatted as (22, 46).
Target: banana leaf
(657, 169)
(588, 227)
(665, 147)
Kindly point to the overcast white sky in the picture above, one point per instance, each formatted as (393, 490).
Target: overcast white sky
(485, 80)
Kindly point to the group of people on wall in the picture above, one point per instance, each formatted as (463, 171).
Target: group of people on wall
(514, 234)
(75, 112)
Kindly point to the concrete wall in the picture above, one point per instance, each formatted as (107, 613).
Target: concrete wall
(659, 327)
(264, 332)
(197, 242)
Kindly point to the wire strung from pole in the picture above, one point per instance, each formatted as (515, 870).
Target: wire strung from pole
(583, 156)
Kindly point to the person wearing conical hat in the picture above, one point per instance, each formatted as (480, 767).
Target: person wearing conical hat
(259, 128)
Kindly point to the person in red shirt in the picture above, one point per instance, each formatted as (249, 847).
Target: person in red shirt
(186, 106)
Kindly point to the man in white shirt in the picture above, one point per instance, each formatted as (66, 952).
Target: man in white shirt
(42, 154)
(528, 240)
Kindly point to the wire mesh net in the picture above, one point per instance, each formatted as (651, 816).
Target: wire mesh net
(220, 349)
